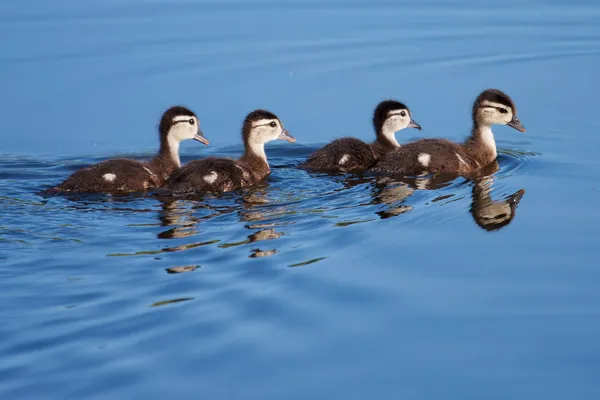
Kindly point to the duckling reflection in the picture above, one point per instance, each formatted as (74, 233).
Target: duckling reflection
(393, 194)
(488, 214)
(394, 191)
(493, 215)
(266, 234)
(182, 217)
(260, 211)
(258, 253)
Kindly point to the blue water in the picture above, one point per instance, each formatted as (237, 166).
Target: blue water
(311, 286)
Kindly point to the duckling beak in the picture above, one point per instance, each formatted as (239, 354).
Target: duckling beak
(516, 123)
(200, 137)
(285, 135)
(413, 124)
(515, 198)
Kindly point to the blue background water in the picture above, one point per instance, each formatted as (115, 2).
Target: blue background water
(369, 293)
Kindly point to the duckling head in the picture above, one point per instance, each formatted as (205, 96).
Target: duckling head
(389, 117)
(494, 107)
(261, 126)
(493, 215)
(179, 123)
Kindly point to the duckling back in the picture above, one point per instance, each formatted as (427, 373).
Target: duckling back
(210, 174)
(346, 154)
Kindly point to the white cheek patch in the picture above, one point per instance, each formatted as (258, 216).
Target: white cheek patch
(344, 159)
(495, 105)
(184, 119)
(109, 177)
(424, 159)
(211, 178)
(182, 129)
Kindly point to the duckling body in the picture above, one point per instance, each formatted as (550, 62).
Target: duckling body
(125, 175)
(223, 175)
(116, 175)
(440, 155)
(211, 174)
(351, 154)
(345, 154)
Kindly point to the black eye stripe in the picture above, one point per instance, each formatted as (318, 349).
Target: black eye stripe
(502, 110)
(272, 124)
(190, 121)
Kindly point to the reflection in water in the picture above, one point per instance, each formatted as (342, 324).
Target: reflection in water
(393, 194)
(301, 264)
(164, 250)
(179, 270)
(182, 216)
(489, 215)
(267, 234)
(183, 219)
(258, 253)
(493, 215)
(173, 301)
(265, 211)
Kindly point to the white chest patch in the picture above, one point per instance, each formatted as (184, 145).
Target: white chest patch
(211, 178)
(344, 159)
(424, 159)
(109, 177)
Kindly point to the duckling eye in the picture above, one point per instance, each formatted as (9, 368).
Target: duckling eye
(403, 113)
(502, 110)
(191, 121)
(273, 124)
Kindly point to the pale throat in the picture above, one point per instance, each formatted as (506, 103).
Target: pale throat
(487, 137)
(174, 150)
(389, 133)
(258, 149)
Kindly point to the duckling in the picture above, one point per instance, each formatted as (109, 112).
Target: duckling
(124, 175)
(223, 175)
(436, 155)
(351, 154)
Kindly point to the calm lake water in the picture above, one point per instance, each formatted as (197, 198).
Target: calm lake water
(311, 286)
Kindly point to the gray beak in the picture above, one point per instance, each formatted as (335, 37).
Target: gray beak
(285, 135)
(413, 124)
(516, 123)
(200, 137)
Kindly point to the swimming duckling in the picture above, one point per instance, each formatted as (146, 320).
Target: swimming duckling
(124, 175)
(436, 155)
(223, 175)
(350, 154)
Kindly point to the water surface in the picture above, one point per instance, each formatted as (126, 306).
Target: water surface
(310, 285)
